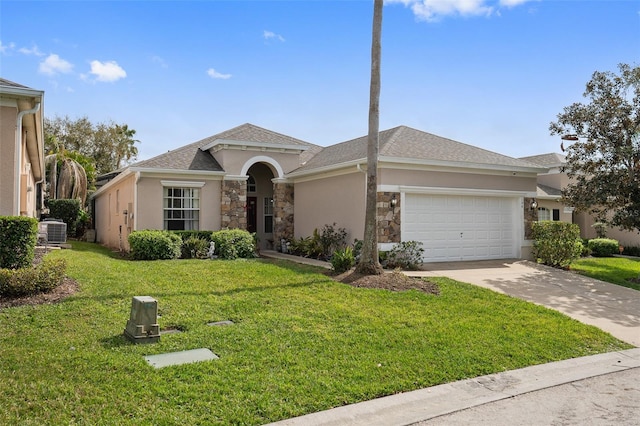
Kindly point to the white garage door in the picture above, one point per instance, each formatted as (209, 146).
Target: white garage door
(454, 228)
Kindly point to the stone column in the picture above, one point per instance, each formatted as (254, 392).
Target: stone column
(233, 207)
(388, 217)
(283, 196)
(530, 216)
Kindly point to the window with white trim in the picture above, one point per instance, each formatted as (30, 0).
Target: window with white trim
(181, 208)
(251, 184)
(543, 214)
(268, 215)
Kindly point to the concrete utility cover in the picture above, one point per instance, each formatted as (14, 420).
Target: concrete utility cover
(179, 358)
(225, 322)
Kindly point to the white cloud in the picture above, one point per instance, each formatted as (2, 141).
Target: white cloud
(5, 47)
(54, 64)
(434, 10)
(107, 71)
(33, 51)
(215, 74)
(268, 35)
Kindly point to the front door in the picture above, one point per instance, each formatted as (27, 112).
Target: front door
(252, 214)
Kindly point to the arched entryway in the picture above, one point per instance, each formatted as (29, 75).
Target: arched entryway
(260, 204)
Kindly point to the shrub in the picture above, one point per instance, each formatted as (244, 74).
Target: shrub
(631, 251)
(185, 235)
(195, 248)
(332, 238)
(405, 255)
(603, 247)
(18, 237)
(556, 244)
(32, 280)
(67, 211)
(154, 245)
(343, 260)
(234, 243)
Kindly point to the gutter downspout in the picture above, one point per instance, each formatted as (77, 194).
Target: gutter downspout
(18, 156)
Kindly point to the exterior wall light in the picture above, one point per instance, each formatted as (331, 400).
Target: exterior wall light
(533, 205)
(393, 203)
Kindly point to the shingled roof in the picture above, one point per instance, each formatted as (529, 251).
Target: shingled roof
(9, 83)
(192, 157)
(407, 143)
(546, 160)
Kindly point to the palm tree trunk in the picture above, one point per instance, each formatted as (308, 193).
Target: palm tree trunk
(369, 263)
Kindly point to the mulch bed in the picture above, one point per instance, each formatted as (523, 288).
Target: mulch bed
(68, 287)
(392, 281)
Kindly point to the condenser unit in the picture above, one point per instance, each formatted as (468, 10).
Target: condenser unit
(56, 231)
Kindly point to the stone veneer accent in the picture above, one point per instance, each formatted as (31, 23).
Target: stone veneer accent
(282, 212)
(530, 216)
(234, 203)
(388, 218)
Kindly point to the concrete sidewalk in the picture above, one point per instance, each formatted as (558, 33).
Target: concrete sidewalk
(612, 308)
(448, 403)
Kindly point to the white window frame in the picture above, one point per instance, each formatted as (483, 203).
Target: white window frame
(268, 213)
(546, 212)
(181, 203)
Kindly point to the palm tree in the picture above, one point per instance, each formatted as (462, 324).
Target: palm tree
(369, 263)
(67, 178)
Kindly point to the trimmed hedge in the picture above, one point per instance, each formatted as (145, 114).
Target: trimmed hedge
(154, 245)
(28, 281)
(556, 243)
(18, 236)
(234, 243)
(603, 247)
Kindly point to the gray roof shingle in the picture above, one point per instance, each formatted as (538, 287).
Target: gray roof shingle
(191, 157)
(409, 143)
(9, 83)
(546, 160)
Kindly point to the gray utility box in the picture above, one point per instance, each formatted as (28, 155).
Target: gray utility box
(142, 326)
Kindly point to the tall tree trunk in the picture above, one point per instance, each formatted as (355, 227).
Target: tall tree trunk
(369, 263)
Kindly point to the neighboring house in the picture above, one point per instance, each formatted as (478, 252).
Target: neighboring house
(551, 207)
(21, 150)
(462, 202)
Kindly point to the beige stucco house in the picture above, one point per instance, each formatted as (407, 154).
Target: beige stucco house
(551, 207)
(21, 149)
(462, 202)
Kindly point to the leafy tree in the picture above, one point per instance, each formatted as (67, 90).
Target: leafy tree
(369, 263)
(603, 158)
(110, 145)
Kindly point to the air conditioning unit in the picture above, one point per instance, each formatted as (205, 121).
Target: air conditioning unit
(56, 231)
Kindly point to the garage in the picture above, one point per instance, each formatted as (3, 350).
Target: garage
(457, 228)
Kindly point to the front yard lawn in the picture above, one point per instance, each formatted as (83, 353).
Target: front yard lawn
(616, 270)
(301, 342)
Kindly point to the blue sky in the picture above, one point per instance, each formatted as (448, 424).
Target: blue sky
(488, 73)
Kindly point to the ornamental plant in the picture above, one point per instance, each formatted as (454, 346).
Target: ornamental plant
(556, 244)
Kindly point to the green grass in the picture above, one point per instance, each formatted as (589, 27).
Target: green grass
(301, 343)
(616, 270)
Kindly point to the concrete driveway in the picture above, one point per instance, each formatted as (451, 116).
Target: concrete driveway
(610, 307)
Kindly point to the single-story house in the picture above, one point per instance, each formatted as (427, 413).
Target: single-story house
(21, 150)
(551, 207)
(460, 201)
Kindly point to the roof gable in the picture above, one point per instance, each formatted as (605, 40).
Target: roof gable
(410, 144)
